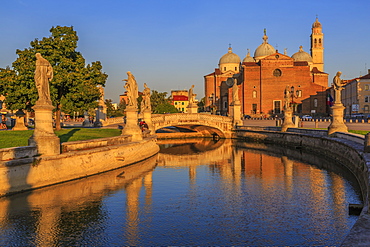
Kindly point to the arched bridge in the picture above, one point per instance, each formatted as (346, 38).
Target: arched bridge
(220, 124)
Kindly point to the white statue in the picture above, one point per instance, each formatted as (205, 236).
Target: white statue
(43, 75)
(235, 92)
(145, 103)
(132, 90)
(191, 95)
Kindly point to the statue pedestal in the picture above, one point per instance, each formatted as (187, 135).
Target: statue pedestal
(337, 124)
(19, 122)
(147, 117)
(132, 128)
(43, 137)
(288, 123)
(236, 113)
(192, 108)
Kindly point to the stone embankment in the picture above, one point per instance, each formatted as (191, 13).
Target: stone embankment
(22, 169)
(344, 148)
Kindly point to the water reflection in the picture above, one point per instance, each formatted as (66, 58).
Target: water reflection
(194, 192)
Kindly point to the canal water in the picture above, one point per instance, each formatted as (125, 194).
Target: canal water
(194, 192)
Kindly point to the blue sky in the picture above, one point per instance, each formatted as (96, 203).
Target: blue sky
(172, 44)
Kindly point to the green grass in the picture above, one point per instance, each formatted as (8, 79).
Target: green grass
(361, 132)
(20, 138)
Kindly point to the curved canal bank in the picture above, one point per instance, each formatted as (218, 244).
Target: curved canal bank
(348, 150)
(24, 170)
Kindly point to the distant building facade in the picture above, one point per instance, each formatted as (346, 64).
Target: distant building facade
(263, 78)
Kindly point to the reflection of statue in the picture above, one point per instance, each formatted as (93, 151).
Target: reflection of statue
(145, 103)
(286, 97)
(43, 75)
(132, 91)
(191, 95)
(338, 86)
(235, 92)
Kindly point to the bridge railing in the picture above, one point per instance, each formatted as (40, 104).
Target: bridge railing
(181, 117)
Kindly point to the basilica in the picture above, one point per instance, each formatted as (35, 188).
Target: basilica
(263, 78)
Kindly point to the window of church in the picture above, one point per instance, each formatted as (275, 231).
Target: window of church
(366, 98)
(315, 103)
(367, 87)
(277, 72)
(299, 93)
(254, 94)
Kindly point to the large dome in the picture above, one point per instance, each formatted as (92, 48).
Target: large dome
(248, 58)
(265, 49)
(229, 57)
(301, 55)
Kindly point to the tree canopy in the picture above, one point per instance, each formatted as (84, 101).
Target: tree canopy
(160, 104)
(74, 86)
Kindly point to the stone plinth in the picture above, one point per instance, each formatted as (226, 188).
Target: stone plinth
(236, 113)
(19, 124)
(43, 137)
(131, 127)
(147, 117)
(337, 124)
(288, 123)
(192, 108)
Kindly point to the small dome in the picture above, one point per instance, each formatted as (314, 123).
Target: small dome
(230, 57)
(316, 23)
(265, 49)
(301, 55)
(248, 58)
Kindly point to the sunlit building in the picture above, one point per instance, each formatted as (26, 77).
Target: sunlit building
(263, 78)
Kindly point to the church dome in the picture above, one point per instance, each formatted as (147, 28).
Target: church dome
(316, 23)
(301, 55)
(265, 49)
(248, 58)
(229, 57)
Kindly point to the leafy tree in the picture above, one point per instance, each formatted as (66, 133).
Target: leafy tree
(74, 85)
(160, 104)
(201, 104)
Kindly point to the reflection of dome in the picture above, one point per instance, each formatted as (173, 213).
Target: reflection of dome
(264, 49)
(230, 57)
(301, 55)
(248, 58)
(316, 23)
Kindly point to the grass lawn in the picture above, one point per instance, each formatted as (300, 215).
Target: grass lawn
(18, 138)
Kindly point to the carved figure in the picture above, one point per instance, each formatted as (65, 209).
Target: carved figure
(145, 103)
(191, 95)
(43, 75)
(286, 97)
(235, 92)
(132, 90)
(338, 87)
(338, 83)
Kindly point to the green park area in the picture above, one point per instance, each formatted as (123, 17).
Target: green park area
(20, 138)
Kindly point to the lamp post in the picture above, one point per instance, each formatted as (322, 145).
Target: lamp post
(294, 94)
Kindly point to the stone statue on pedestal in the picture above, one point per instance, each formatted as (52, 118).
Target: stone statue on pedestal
(43, 75)
(191, 95)
(132, 90)
(338, 86)
(235, 92)
(145, 103)
(286, 97)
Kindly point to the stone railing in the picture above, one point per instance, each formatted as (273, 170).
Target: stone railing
(113, 120)
(17, 153)
(88, 144)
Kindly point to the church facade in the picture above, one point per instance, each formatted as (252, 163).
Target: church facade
(263, 78)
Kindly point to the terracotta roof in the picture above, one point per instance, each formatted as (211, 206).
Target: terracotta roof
(317, 71)
(180, 98)
(365, 76)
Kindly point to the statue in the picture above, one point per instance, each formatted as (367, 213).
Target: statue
(338, 86)
(132, 91)
(43, 75)
(145, 103)
(191, 95)
(286, 97)
(235, 92)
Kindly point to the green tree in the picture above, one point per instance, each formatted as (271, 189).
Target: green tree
(160, 104)
(201, 104)
(74, 85)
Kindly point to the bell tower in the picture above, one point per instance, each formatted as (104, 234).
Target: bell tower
(317, 45)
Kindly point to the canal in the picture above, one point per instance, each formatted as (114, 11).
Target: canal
(194, 192)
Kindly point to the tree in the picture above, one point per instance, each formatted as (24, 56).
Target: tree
(201, 104)
(74, 85)
(160, 104)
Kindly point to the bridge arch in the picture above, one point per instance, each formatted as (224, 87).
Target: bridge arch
(223, 125)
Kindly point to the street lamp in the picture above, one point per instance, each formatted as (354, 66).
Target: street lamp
(294, 94)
